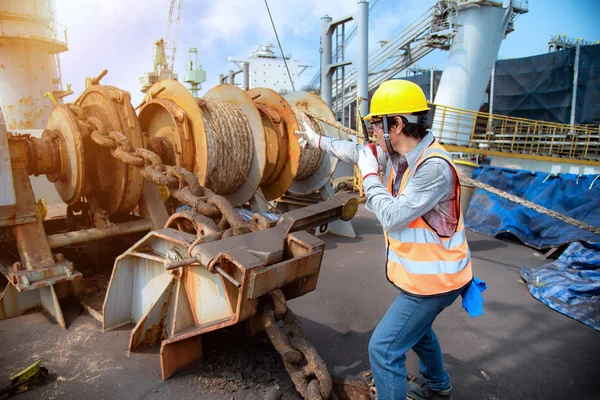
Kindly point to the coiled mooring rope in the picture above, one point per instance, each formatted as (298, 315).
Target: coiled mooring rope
(230, 145)
(311, 158)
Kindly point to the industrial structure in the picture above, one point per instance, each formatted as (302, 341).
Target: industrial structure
(165, 50)
(228, 203)
(217, 251)
(263, 68)
(104, 168)
(195, 76)
(435, 29)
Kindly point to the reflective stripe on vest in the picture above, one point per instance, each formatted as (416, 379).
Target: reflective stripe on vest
(419, 260)
(425, 235)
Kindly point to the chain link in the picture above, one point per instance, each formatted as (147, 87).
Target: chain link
(303, 363)
(183, 185)
(301, 360)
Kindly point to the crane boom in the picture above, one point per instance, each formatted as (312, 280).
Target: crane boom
(165, 50)
(172, 31)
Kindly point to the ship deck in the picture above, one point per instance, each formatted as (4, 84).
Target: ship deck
(519, 349)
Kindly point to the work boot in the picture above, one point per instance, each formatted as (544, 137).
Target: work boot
(422, 392)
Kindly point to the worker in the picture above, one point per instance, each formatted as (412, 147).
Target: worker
(428, 258)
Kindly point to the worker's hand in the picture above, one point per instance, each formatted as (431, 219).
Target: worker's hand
(367, 162)
(308, 136)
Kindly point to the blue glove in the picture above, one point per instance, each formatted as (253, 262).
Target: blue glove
(472, 300)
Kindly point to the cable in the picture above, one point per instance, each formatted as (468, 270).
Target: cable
(280, 48)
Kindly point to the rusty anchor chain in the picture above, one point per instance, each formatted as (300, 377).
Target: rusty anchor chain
(182, 184)
(301, 360)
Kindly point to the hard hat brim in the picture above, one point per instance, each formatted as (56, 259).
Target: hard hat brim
(371, 116)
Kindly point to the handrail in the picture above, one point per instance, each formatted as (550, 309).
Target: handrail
(484, 131)
(53, 31)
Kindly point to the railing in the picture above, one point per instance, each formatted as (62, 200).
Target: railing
(482, 131)
(564, 41)
(31, 27)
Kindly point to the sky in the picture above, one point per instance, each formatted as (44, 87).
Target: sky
(118, 35)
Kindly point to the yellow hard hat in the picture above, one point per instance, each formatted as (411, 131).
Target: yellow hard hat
(395, 97)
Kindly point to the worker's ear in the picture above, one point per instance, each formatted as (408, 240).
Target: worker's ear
(399, 125)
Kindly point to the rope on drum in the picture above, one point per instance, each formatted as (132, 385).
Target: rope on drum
(227, 130)
(311, 158)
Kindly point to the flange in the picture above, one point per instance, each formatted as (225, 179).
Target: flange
(281, 183)
(167, 129)
(69, 183)
(177, 93)
(116, 186)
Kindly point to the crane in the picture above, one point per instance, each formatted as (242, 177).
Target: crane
(165, 50)
(195, 76)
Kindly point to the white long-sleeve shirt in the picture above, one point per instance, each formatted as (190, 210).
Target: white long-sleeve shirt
(429, 194)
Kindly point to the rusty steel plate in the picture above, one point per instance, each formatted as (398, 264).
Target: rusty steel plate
(163, 118)
(71, 180)
(275, 101)
(116, 186)
(311, 102)
(236, 96)
(177, 93)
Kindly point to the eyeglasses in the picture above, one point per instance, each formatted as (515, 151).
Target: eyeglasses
(377, 124)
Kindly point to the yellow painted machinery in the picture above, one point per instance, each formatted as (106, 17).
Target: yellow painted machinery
(198, 176)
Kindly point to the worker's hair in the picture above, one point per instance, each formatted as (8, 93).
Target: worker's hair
(416, 130)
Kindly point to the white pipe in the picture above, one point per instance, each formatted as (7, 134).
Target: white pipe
(472, 56)
(362, 89)
(575, 79)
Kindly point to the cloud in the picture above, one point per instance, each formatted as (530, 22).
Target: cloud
(119, 35)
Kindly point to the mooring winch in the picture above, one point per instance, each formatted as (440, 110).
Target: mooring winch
(204, 264)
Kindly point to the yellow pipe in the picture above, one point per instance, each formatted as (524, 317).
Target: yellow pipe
(49, 94)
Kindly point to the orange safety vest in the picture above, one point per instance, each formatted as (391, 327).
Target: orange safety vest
(419, 260)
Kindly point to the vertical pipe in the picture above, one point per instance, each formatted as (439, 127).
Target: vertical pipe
(431, 81)
(342, 101)
(336, 59)
(326, 60)
(231, 77)
(492, 89)
(362, 23)
(221, 78)
(246, 69)
(471, 58)
(575, 79)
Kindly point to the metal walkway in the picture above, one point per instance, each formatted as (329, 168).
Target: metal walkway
(474, 132)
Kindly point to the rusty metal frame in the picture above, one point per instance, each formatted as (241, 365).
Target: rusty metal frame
(176, 305)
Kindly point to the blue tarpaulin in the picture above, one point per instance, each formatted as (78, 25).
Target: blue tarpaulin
(571, 284)
(577, 196)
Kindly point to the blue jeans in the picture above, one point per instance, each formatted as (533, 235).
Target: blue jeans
(407, 325)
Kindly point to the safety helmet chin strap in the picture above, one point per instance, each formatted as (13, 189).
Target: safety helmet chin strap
(407, 118)
(386, 136)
